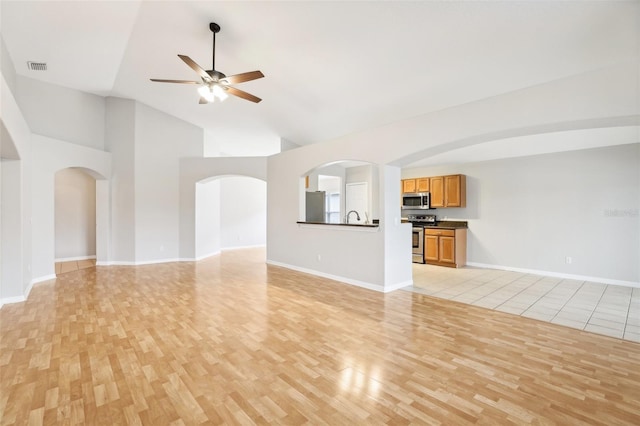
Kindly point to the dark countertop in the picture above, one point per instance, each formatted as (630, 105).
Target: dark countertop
(356, 225)
(448, 224)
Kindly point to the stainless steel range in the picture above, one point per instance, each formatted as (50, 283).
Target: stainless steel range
(417, 235)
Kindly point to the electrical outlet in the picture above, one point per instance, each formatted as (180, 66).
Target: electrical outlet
(568, 260)
(319, 258)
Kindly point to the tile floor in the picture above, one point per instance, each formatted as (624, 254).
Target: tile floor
(599, 308)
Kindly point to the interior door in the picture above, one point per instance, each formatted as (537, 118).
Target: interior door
(357, 198)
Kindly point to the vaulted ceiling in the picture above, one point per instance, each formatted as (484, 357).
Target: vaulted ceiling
(331, 68)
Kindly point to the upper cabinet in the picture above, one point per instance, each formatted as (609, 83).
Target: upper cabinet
(437, 191)
(446, 191)
(455, 191)
(415, 185)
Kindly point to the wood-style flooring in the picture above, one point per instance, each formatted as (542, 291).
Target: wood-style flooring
(231, 340)
(74, 265)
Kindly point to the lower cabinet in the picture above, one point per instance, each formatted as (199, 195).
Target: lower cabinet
(445, 247)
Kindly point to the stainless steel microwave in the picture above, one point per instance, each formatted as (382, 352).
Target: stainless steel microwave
(416, 200)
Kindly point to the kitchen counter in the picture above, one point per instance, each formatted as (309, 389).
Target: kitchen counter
(352, 225)
(448, 224)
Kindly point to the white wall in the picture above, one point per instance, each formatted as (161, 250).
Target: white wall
(120, 142)
(61, 113)
(15, 279)
(207, 218)
(75, 215)
(601, 98)
(243, 209)
(193, 170)
(49, 156)
(160, 141)
(354, 255)
(533, 212)
(7, 67)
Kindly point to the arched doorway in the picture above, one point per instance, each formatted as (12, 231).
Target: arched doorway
(231, 214)
(74, 220)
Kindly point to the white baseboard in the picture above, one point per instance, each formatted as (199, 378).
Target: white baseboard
(398, 286)
(27, 291)
(557, 275)
(242, 247)
(9, 300)
(39, 280)
(205, 256)
(71, 259)
(357, 283)
(140, 263)
(153, 262)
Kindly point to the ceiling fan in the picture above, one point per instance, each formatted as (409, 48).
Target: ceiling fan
(215, 84)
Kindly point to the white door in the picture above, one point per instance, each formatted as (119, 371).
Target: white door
(357, 198)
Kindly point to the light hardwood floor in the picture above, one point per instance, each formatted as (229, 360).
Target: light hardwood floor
(74, 265)
(233, 340)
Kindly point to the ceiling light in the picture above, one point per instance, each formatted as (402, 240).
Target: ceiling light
(207, 93)
(219, 93)
(213, 91)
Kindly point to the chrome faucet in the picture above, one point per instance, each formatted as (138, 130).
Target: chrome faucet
(346, 218)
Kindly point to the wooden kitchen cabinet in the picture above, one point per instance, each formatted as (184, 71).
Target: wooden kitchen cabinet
(422, 185)
(408, 185)
(445, 247)
(455, 191)
(437, 191)
(415, 185)
(448, 191)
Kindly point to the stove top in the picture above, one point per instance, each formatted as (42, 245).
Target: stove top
(422, 218)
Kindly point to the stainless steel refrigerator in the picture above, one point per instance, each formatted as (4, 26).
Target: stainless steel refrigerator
(315, 206)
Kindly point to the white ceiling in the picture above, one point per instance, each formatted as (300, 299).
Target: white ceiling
(332, 68)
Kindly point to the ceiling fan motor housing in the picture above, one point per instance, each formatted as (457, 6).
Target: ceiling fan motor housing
(216, 75)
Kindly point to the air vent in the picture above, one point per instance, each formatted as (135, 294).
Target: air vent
(37, 66)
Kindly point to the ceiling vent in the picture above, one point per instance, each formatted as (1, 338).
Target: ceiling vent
(37, 66)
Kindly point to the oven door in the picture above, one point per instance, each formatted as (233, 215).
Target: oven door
(417, 251)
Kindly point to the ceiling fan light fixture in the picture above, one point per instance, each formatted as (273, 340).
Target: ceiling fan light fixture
(219, 93)
(207, 93)
(212, 92)
(215, 84)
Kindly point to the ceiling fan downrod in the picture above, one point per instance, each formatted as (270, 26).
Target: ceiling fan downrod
(215, 28)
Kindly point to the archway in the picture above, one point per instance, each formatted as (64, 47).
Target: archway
(230, 213)
(329, 191)
(11, 248)
(74, 220)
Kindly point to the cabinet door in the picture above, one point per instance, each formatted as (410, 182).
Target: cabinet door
(409, 185)
(447, 249)
(452, 191)
(436, 185)
(431, 248)
(422, 185)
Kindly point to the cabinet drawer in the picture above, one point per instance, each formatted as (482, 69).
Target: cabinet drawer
(447, 232)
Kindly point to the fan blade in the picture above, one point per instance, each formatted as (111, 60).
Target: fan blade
(197, 68)
(175, 81)
(241, 78)
(244, 95)
(203, 100)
